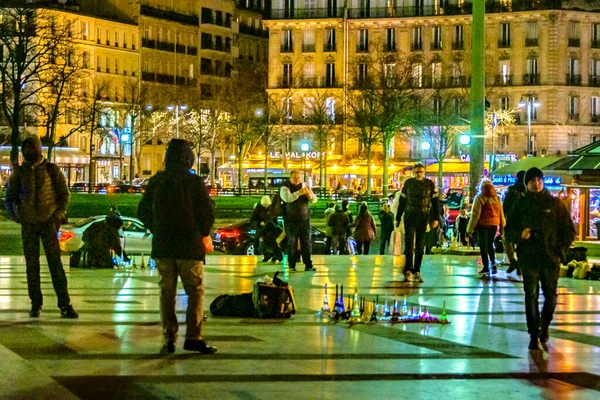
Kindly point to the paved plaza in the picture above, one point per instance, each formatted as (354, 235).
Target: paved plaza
(111, 352)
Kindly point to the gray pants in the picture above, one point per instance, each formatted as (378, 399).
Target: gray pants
(192, 277)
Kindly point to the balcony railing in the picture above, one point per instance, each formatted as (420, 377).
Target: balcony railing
(149, 43)
(165, 78)
(286, 48)
(503, 44)
(416, 46)
(148, 76)
(574, 116)
(329, 47)
(458, 45)
(308, 48)
(173, 16)
(180, 48)
(531, 79)
(389, 47)
(595, 44)
(573, 80)
(436, 46)
(192, 50)
(531, 42)
(165, 46)
(362, 48)
(595, 118)
(594, 80)
(503, 80)
(307, 13)
(250, 30)
(574, 42)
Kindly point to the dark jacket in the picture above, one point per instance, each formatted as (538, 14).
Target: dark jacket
(387, 221)
(99, 239)
(513, 193)
(462, 223)
(177, 209)
(338, 221)
(419, 197)
(260, 214)
(552, 229)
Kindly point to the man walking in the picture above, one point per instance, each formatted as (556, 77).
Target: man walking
(297, 197)
(328, 235)
(386, 218)
(177, 210)
(421, 203)
(37, 198)
(540, 226)
(513, 193)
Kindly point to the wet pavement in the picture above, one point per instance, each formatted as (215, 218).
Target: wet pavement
(111, 351)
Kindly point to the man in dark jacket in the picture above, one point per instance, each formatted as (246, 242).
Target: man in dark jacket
(100, 238)
(177, 210)
(420, 201)
(37, 198)
(298, 198)
(338, 222)
(513, 193)
(386, 217)
(541, 227)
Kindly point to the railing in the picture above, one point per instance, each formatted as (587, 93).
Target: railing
(573, 80)
(531, 42)
(308, 48)
(389, 47)
(458, 45)
(165, 46)
(164, 78)
(329, 47)
(207, 46)
(307, 13)
(284, 83)
(436, 46)
(573, 117)
(192, 50)
(184, 19)
(180, 48)
(148, 76)
(286, 48)
(503, 44)
(362, 48)
(574, 42)
(531, 79)
(416, 46)
(594, 80)
(595, 44)
(503, 80)
(250, 30)
(595, 118)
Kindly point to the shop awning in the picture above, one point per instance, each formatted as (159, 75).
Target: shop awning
(360, 170)
(525, 163)
(60, 155)
(586, 158)
(451, 167)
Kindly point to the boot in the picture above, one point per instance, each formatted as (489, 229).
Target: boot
(199, 346)
(68, 312)
(35, 311)
(534, 343)
(168, 347)
(545, 335)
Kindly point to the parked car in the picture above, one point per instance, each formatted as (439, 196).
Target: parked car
(240, 238)
(135, 238)
(452, 200)
(80, 187)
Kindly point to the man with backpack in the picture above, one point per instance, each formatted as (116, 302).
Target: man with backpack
(37, 198)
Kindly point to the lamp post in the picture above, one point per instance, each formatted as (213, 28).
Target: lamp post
(182, 107)
(305, 147)
(529, 103)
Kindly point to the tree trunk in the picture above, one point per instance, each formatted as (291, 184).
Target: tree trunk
(369, 156)
(386, 161)
(132, 149)
(321, 171)
(265, 172)
(213, 170)
(240, 155)
(440, 172)
(15, 135)
(324, 185)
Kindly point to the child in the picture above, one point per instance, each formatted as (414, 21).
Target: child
(461, 226)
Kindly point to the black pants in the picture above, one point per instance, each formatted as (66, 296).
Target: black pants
(462, 238)
(47, 233)
(384, 241)
(415, 225)
(534, 273)
(360, 246)
(486, 235)
(328, 244)
(298, 230)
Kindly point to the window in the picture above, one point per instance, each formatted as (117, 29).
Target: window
(595, 36)
(206, 41)
(390, 39)
(436, 38)
(363, 40)
(309, 72)
(125, 40)
(86, 60)
(363, 74)
(329, 39)
(504, 40)
(436, 105)
(310, 4)
(206, 15)
(191, 71)
(436, 72)
(573, 108)
(457, 69)
(365, 8)
(595, 72)
(98, 36)
(107, 38)
(532, 34)
(573, 77)
(287, 75)
(147, 32)
(287, 107)
(458, 39)
(504, 72)
(309, 40)
(504, 103)
(107, 66)
(309, 106)
(286, 41)
(116, 39)
(417, 75)
(574, 34)
(417, 38)
(389, 74)
(534, 110)
(330, 74)
(330, 107)
(595, 109)
(532, 77)
(85, 30)
(133, 41)
(116, 65)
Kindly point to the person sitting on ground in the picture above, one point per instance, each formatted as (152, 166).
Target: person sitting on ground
(266, 230)
(338, 222)
(100, 239)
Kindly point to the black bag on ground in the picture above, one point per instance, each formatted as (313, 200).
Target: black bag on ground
(498, 245)
(275, 300)
(226, 305)
(577, 254)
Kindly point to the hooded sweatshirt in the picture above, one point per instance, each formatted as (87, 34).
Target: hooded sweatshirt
(176, 207)
(487, 210)
(37, 191)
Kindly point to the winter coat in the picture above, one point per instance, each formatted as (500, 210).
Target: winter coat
(365, 230)
(99, 239)
(552, 229)
(338, 221)
(260, 214)
(513, 193)
(419, 196)
(37, 191)
(387, 222)
(328, 213)
(487, 210)
(462, 223)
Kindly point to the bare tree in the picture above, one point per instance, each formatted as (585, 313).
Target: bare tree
(28, 39)
(137, 109)
(93, 113)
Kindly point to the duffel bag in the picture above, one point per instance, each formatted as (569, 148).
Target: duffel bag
(272, 301)
(226, 305)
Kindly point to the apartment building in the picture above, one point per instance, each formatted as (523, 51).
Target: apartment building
(547, 56)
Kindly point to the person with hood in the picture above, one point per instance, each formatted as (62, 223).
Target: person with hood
(540, 226)
(513, 193)
(37, 198)
(338, 222)
(486, 217)
(178, 211)
(386, 218)
(365, 230)
(100, 238)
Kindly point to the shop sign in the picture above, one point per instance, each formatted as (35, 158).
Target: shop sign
(499, 157)
(506, 180)
(296, 154)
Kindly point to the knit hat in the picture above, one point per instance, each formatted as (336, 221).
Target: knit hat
(521, 175)
(533, 173)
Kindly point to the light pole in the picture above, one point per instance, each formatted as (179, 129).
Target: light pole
(529, 103)
(305, 147)
(182, 107)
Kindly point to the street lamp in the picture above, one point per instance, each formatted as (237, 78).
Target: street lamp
(182, 107)
(305, 147)
(529, 103)
(426, 146)
(464, 139)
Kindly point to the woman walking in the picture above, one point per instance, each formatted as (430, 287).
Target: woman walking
(486, 217)
(365, 230)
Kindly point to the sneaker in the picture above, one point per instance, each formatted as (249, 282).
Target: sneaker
(408, 276)
(545, 335)
(35, 311)
(293, 269)
(494, 269)
(68, 312)
(534, 343)
(418, 278)
(513, 266)
(199, 346)
(168, 347)
(310, 269)
(484, 270)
